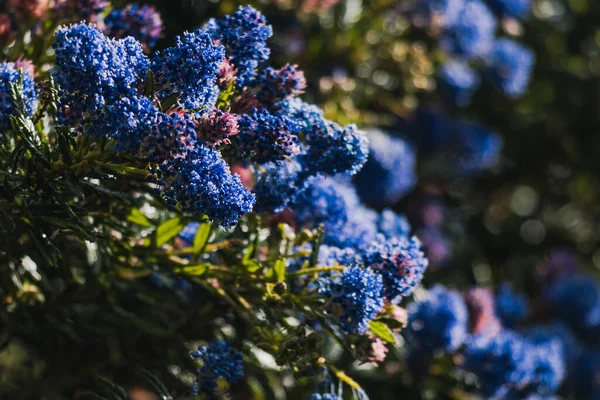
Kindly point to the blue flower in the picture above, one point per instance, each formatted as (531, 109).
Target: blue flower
(509, 67)
(511, 307)
(400, 262)
(356, 298)
(128, 121)
(188, 233)
(266, 137)
(458, 82)
(140, 21)
(330, 256)
(93, 71)
(473, 33)
(549, 366)
(277, 185)
(392, 225)
(274, 85)
(334, 149)
(472, 148)
(196, 178)
(9, 73)
(389, 172)
(503, 363)
(576, 300)
(439, 322)
(335, 204)
(219, 361)
(190, 69)
(511, 8)
(308, 117)
(244, 34)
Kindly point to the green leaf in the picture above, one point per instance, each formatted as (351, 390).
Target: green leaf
(196, 270)
(382, 331)
(168, 230)
(279, 269)
(252, 266)
(153, 383)
(201, 238)
(138, 218)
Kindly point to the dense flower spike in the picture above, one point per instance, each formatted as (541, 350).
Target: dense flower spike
(190, 69)
(509, 67)
(482, 314)
(336, 205)
(511, 307)
(389, 172)
(511, 8)
(278, 185)
(219, 361)
(9, 73)
(458, 82)
(439, 322)
(472, 148)
(266, 137)
(548, 358)
(336, 149)
(392, 225)
(275, 85)
(93, 71)
(140, 21)
(473, 33)
(356, 298)
(199, 181)
(576, 300)
(400, 262)
(503, 363)
(244, 34)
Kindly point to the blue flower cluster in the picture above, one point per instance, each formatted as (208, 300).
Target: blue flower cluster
(438, 322)
(455, 148)
(276, 85)
(511, 307)
(9, 73)
(468, 32)
(377, 244)
(219, 361)
(140, 21)
(355, 298)
(473, 33)
(244, 35)
(265, 137)
(511, 8)
(93, 72)
(400, 262)
(458, 82)
(509, 67)
(389, 172)
(194, 80)
(182, 126)
(507, 364)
